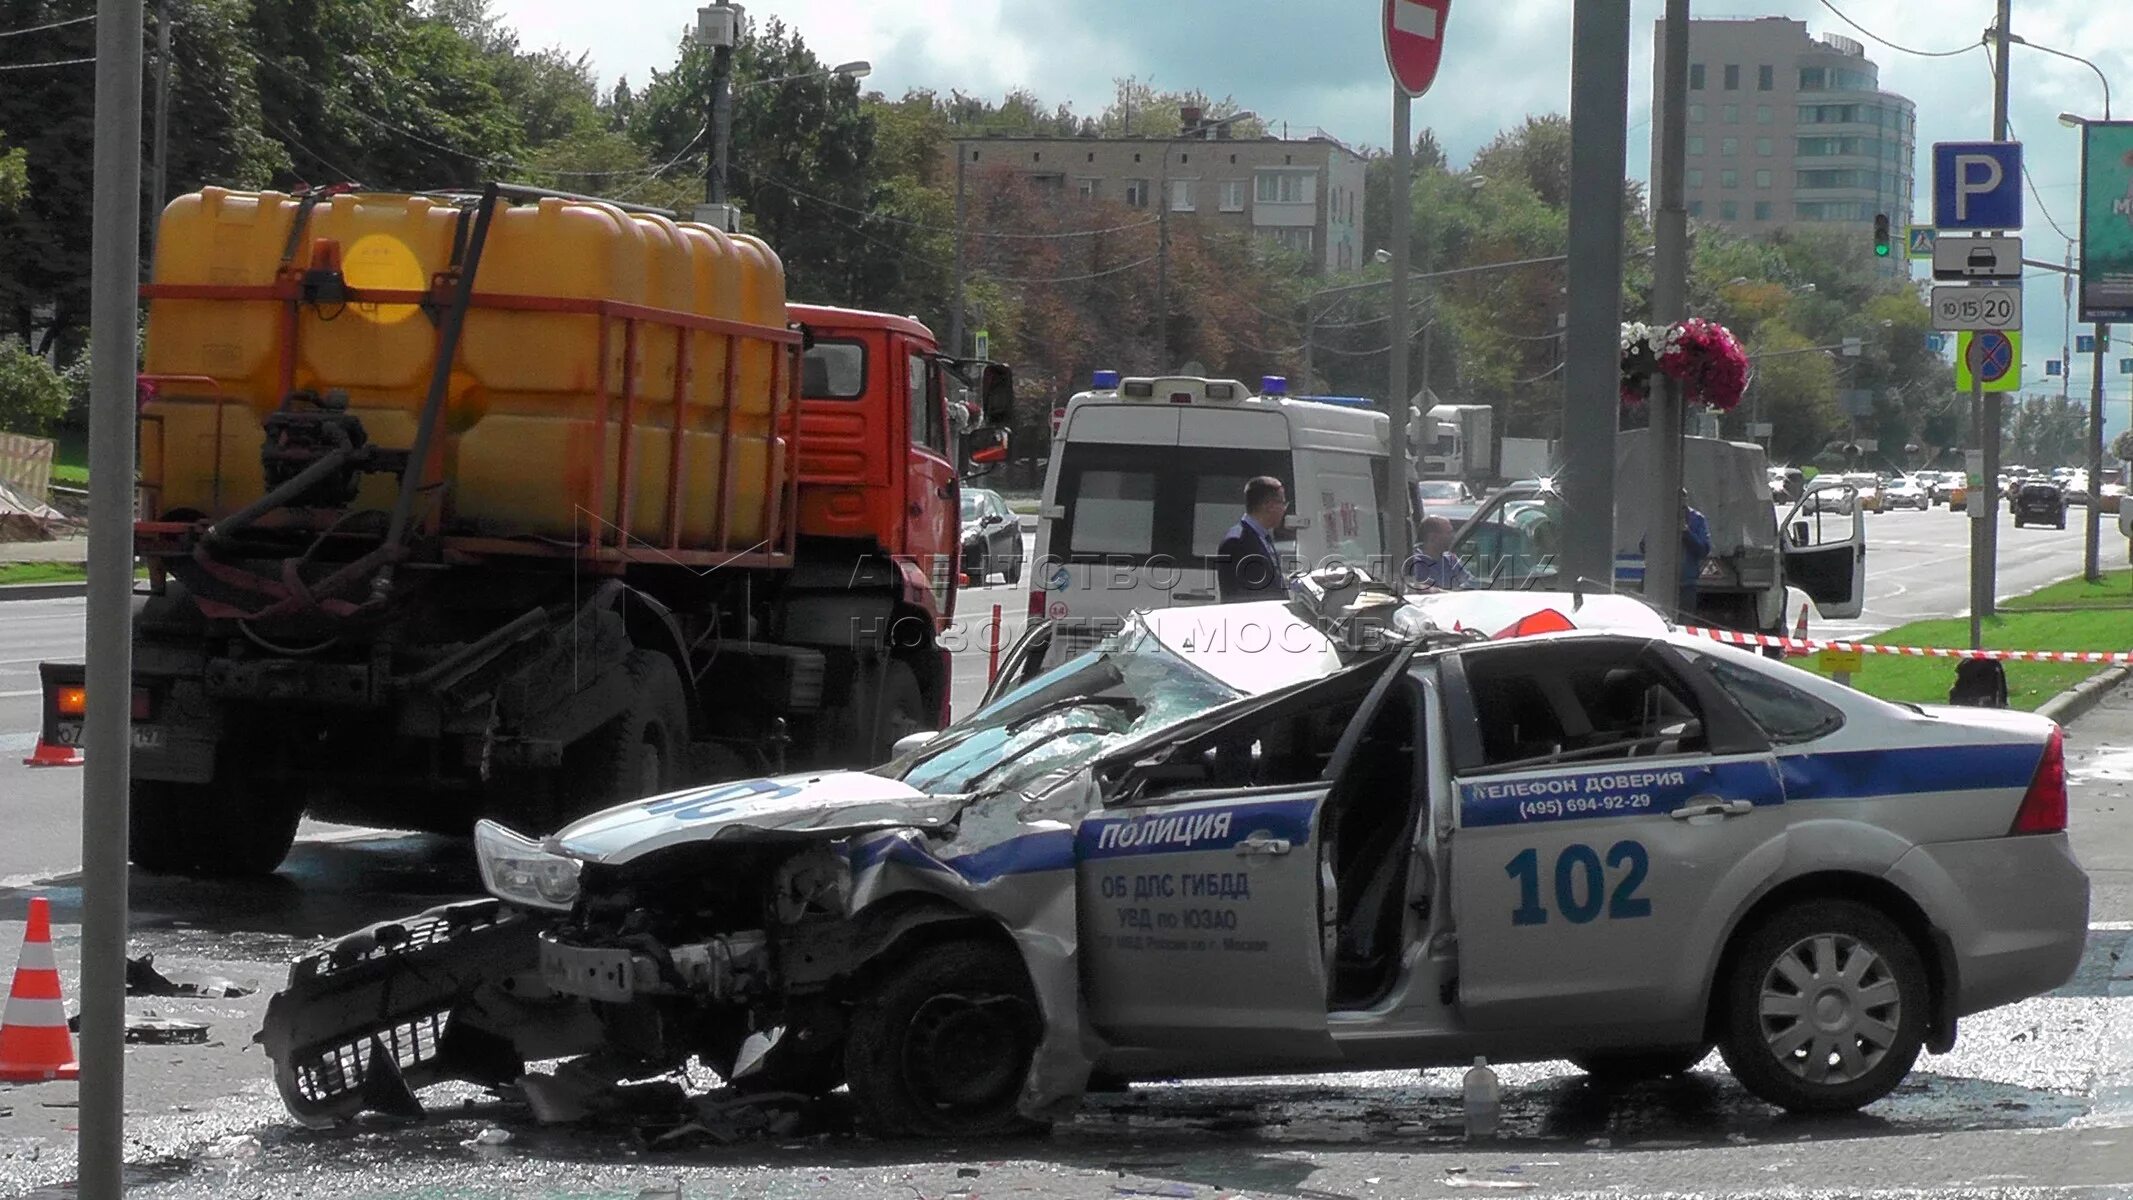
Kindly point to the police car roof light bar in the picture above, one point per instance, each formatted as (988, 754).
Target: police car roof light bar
(1104, 381)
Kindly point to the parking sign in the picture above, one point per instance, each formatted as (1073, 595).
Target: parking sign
(1977, 185)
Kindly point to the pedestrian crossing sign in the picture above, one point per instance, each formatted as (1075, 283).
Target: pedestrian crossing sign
(1920, 239)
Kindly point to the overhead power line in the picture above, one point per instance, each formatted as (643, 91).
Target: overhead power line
(41, 28)
(64, 62)
(1892, 45)
(1123, 267)
(1003, 235)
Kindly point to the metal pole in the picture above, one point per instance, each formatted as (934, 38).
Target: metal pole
(1310, 338)
(115, 266)
(1670, 286)
(2092, 525)
(955, 314)
(1599, 104)
(1984, 508)
(721, 120)
(1985, 535)
(1393, 505)
(158, 188)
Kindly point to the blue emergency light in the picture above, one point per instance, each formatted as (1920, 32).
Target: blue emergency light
(1104, 381)
(1343, 401)
(1273, 385)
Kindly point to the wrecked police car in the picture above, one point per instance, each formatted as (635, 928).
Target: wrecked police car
(1517, 825)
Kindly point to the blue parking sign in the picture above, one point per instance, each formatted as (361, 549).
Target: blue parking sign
(2051, 366)
(1977, 185)
(2084, 343)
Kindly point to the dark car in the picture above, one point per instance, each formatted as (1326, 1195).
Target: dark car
(2038, 503)
(992, 538)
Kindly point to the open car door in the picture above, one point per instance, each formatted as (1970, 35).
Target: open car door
(1823, 541)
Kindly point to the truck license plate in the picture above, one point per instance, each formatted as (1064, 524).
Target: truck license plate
(145, 737)
(593, 974)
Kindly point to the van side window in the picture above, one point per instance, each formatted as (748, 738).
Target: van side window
(1595, 701)
(928, 424)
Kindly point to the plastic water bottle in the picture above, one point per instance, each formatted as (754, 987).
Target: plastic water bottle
(1484, 1100)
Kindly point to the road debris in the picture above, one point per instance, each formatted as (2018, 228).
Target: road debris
(164, 1031)
(237, 1147)
(142, 979)
(488, 1139)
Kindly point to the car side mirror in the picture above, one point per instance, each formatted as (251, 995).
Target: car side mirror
(912, 741)
(991, 448)
(1799, 533)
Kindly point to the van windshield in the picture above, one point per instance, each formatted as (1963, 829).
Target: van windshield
(1132, 503)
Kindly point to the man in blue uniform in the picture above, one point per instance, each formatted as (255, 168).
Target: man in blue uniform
(1434, 567)
(1247, 566)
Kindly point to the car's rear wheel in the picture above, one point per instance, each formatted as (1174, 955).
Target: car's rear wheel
(975, 566)
(1636, 1066)
(942, 1044)
(1825, 1007)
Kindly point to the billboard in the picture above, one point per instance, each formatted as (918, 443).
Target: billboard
(2107, 221)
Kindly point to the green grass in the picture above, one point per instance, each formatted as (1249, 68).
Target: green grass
(2116, 591)
(51, 572)
(70, 461)
(37, 572)
(2029, 684)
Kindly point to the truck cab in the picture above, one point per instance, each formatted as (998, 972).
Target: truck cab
(1148, 473)
(868, 381)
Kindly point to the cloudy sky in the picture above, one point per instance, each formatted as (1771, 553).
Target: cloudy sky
(1318, 63)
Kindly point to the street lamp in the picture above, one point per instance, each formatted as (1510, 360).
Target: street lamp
(859, 69)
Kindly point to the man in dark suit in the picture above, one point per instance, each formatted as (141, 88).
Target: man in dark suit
(1247, 566)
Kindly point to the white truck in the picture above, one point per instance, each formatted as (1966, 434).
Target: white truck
(1458, 442)
(1514, 540)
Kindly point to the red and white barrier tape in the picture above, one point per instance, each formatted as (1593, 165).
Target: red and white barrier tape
(1792, 645)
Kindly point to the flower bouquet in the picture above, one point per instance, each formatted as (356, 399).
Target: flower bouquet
(1703, 355)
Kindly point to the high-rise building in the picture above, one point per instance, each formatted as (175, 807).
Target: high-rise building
(1786, 129)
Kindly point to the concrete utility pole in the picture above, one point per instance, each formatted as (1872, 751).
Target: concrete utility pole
(115, 272)
(1670, 287)
(718, 27)
(2092, 520)
(1984, 406)
(1394, 506)
(159, 185)
(1162, 262)
(955, 314)
(1592, 350)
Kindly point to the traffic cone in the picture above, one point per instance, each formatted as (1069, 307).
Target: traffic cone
(34, 1042)
(48, 755)
(1799, 632)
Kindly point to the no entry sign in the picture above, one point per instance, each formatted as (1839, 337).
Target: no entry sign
(1414, 42)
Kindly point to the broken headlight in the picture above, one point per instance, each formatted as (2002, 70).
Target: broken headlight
(516, 870)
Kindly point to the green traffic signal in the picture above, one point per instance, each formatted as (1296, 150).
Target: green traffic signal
(1881, 235)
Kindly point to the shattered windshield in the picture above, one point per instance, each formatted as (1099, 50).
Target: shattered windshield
(1129, 686)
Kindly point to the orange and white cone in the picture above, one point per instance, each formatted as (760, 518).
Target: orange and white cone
(48, 755)
(1799, 628)
(34, 1042)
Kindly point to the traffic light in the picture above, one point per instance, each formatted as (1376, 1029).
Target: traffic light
(1881, 235)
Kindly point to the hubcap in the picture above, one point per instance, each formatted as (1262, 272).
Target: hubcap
(1830, 1009)
(967, 1052)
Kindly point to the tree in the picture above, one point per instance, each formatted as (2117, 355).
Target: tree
(32, 397)
(14, 175)
(2122, 446)
(2048, 431)
(1793, 386)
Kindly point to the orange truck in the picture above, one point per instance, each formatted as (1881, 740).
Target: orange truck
(516, 505)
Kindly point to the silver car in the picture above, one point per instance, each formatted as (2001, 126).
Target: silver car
(1225, 843)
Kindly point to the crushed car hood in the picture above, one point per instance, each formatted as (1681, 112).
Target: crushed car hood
(833, 804)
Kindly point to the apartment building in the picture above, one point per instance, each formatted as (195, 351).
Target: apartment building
(1303, 194)
(1788, 129)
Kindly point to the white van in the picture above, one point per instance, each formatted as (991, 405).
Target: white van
(1147, 474)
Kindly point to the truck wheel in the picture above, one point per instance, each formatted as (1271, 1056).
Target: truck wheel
(1825, 1007)
(158, 829)
(637, 754)
(235, 826)
(1617, 1067)
(942, 1045)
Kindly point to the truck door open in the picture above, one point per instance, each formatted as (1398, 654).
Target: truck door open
(1823, 541)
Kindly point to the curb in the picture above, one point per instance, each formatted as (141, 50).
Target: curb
(2073, 703)
(67, 590)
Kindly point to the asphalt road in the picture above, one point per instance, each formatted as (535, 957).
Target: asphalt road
(2037, 1097)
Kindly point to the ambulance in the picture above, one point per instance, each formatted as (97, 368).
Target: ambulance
(1148, 473)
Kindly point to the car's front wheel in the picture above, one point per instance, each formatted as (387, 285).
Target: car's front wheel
(942, 1043)
(1825, 1007)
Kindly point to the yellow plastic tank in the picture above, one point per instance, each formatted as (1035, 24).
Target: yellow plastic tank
(527, 450)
